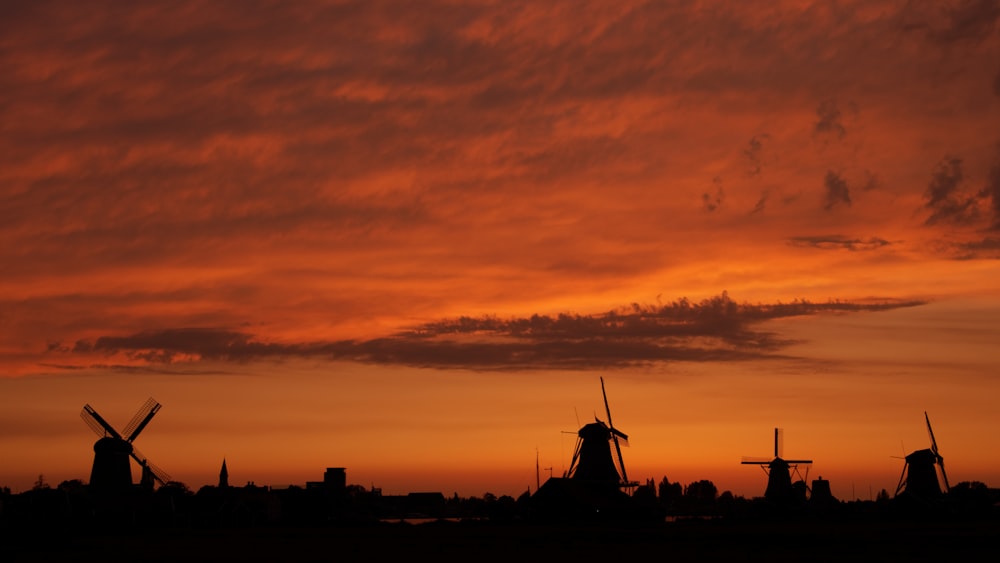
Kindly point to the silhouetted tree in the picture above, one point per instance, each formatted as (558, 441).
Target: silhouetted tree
(973, 497)
(699, 497)
(669, 494)
(645, 493)
(502, 509)
(355, 490)
(173, 502)
(174, 487)
(701, 491)
(645, 500)
(479, 507)
(71, 485)
(882, 496)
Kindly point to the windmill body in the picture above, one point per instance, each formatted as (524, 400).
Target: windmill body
(593, 460)
(112, 468)
(920, 475)
(779, 473)
(779, 481)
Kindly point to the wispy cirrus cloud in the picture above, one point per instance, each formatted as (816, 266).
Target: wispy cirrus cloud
(834, 242)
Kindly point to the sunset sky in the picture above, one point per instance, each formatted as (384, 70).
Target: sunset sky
(409, 238)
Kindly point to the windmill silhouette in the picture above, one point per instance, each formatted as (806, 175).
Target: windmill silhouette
(595, 486)
(779, 471)
(592, 460)
(919, 477)
(111, 470)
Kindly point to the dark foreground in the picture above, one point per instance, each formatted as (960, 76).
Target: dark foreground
(477, 541)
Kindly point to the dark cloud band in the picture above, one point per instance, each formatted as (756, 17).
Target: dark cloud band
(716, 329)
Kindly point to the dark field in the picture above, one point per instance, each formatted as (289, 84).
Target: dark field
(443, 541)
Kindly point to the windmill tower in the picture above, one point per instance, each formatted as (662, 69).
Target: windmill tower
(112, 471)
(592, 459)
(919, 477)
(779, 472)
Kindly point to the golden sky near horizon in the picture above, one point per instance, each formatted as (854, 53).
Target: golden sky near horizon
(408, 237)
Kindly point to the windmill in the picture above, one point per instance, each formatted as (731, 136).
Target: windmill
(592, 459)
(779, 471)
(919, 477)
(111, 470)
(596, 486)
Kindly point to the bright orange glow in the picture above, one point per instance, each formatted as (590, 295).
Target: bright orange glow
(408, 240)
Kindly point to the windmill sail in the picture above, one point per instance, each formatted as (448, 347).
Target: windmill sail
(937, 455)
(160, 475)
(615, 434)
(97, 423)
(141, 419)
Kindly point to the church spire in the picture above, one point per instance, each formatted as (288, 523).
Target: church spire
(224, 476)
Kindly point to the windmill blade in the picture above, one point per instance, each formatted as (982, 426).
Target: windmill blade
(93, 424)
(621, 462)
(614, 433)
(141, 419)
(618, 436)
(779, 442)
(576, 456)
(937, 455)
(160, 475)
(97, 423)
(619, 433)
(944, 475)
(902, 478)
(607, 409)
(930, 432)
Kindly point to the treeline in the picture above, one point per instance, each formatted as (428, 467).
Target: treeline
(73, 504)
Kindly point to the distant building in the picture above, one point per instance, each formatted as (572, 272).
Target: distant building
(334, 481)
(224, 476)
